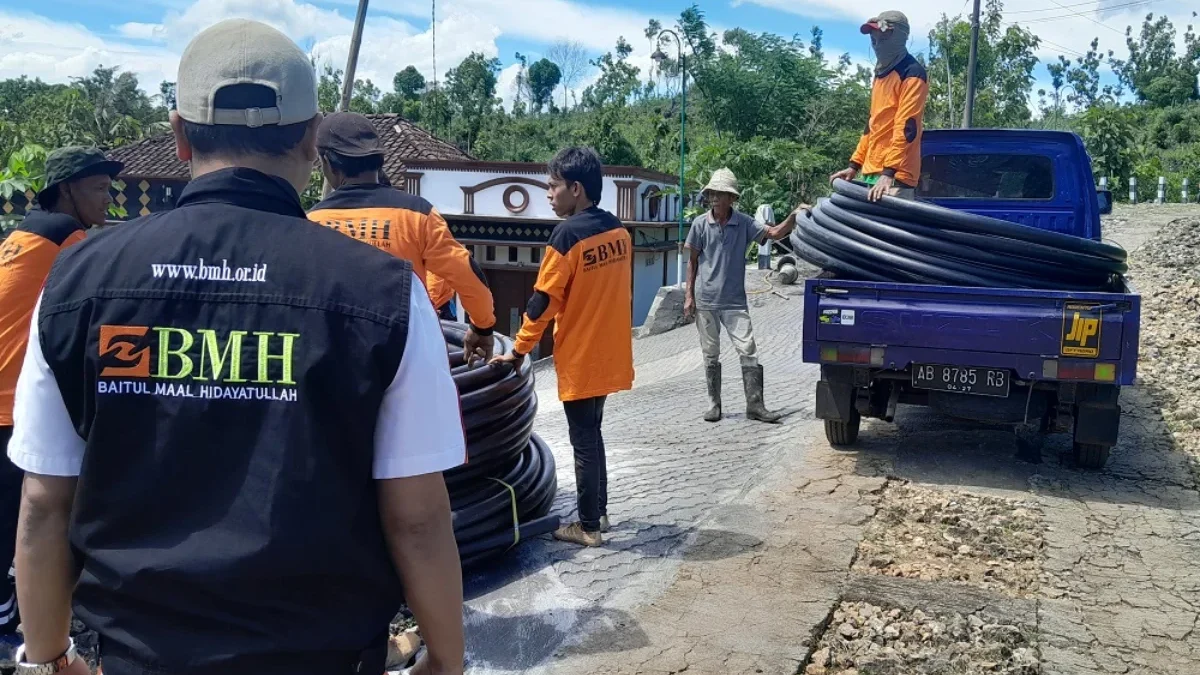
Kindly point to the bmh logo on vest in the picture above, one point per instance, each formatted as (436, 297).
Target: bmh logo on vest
(605, 254)
(202, 363)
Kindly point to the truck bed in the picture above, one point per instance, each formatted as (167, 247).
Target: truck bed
(1018, 329)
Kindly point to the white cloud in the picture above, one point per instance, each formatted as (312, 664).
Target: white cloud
(298, 20)
(56, 51)
(1070, 30)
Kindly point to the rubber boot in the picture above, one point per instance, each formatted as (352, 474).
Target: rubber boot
(712, 373)
(752, 378)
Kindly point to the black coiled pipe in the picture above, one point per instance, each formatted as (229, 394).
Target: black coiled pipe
(906, 241)
(503, 494)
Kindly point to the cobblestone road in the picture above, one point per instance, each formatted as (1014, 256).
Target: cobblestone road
(734, 542)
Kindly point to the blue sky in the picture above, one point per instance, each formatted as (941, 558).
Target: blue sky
(59, 39)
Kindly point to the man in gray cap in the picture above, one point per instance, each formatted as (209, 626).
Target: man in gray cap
(75, 197)
(233, 452)
(716, 289)
(888, 155)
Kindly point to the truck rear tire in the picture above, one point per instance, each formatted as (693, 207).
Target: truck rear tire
(843, 433)
(1090, 455)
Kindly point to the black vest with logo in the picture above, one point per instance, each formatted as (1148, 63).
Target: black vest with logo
(225, 363)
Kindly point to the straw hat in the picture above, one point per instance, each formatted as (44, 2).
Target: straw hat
(723, 180)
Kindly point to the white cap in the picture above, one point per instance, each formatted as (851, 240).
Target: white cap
(239, 51)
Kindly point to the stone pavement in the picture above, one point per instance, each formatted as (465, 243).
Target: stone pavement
(733, 542)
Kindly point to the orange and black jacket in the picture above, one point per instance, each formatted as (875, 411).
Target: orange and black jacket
(409, 227)
(585, 286)
(25, 260)
(891, 143)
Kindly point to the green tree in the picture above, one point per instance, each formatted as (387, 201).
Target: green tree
(618, 79)
(409, 83)
(1154, 71)
(121, 111)
(1004, 71)
(1106, 131)
(544, 77)
(471, 94)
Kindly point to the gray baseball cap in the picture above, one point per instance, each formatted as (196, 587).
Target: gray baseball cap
(885, 22)
(239, 51)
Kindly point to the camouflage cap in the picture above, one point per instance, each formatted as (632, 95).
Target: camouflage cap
(75, 162)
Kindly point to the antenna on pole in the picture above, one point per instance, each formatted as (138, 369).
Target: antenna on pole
(436, 99)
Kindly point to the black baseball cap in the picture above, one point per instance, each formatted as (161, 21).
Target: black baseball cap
(349, 135)
(74, 162)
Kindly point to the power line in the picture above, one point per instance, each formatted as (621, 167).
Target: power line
(1094, 3)
(1085, 16)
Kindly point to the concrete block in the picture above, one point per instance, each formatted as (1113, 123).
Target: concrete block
(666, 313)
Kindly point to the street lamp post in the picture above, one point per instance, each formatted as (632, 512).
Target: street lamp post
(659, 57)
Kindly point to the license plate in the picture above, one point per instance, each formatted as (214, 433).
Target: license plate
(961, 380)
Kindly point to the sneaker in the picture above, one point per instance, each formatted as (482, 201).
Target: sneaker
(604, 527)
(575, 534)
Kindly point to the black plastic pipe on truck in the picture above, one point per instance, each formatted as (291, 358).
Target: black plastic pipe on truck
(917, 242)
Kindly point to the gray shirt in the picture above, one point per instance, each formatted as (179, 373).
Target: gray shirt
(721, 273)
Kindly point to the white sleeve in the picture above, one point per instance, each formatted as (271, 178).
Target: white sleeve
(44, 439)
(420, 427)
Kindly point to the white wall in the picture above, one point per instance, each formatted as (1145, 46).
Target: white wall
(443, 188)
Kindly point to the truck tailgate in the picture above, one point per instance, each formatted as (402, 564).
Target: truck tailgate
(929, 318)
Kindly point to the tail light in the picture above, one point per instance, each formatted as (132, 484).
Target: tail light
(1089, 371)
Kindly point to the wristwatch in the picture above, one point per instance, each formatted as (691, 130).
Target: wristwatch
(56, 666)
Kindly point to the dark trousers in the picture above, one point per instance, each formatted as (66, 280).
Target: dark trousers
(584, 419)
(10, 505)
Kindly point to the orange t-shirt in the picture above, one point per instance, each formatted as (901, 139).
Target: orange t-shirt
(585, 285)
(409, 227)
(25, 260)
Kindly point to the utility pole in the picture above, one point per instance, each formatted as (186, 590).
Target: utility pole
(969, 108)
(351, 65)
(352, 59)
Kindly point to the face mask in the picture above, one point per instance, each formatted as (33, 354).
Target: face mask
(890, 48)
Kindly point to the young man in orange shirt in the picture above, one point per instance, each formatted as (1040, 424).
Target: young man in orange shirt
(76, 197)
(584, 285)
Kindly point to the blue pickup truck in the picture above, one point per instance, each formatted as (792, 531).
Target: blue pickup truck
(1053, 358)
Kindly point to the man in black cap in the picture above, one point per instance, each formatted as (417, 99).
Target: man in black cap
(76, 196)
(233, 449)
(404, 225)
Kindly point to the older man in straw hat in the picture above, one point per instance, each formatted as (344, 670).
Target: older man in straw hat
(716, 289)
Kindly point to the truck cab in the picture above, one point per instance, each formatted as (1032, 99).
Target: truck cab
(1052, 358)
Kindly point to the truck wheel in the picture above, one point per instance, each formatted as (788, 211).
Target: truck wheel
(843, 433)
(1091, 456)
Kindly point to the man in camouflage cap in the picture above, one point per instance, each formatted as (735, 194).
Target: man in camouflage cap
(76, 196)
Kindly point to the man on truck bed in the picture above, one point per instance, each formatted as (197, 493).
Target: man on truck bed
(718, 241)
(76, 196)
(404, 225)
(889, 153)
(584, 286)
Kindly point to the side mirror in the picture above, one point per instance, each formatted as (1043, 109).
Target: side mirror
(1105, 199)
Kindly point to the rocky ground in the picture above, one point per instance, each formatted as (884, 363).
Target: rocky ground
(1168, 275)
(868, 640)
(919, 533)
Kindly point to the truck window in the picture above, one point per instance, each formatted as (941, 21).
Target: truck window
(990, 176)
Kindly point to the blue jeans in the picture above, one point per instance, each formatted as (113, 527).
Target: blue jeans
(584, 419)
